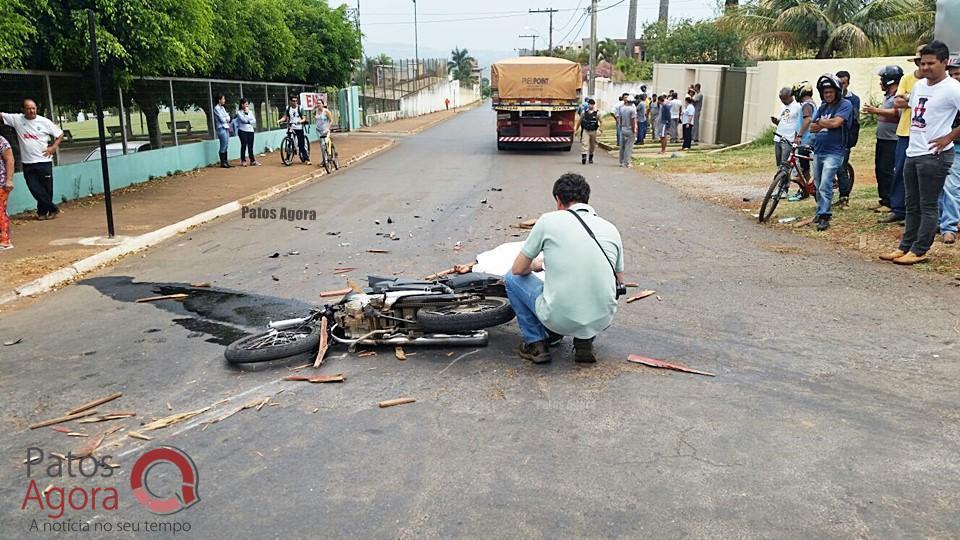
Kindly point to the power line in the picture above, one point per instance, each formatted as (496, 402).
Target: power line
(524, 14)
(572, 17)
(610, 6)
(583, 17)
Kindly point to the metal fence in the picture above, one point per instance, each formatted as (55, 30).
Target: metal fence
(153, 112)
(383, 85)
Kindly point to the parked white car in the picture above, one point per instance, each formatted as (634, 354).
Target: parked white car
(116, 149)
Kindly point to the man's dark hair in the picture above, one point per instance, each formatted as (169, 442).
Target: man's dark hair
(571, 188)
(697, 86)
(623, 95)
(843, 74)
(689, 99)
(591, 101)
(936, 48)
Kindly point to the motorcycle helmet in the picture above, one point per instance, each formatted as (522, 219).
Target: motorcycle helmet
(800, 89)
(954, 62)
(890, 75)
(829, 80)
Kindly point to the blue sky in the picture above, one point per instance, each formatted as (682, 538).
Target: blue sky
(492, 27)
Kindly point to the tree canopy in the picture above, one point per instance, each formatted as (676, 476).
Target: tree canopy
(461, 65)
(698, 42)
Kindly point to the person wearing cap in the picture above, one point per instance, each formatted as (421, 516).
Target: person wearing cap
(934, 102)
(950, 197)
(844, 180)
(628, 129)
(888, 116)
(898, 209)
(589, 122)
(830, 124)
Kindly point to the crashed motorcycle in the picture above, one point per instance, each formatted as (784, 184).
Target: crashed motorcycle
(453, 310)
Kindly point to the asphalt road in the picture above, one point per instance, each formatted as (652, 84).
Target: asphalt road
(834, 412)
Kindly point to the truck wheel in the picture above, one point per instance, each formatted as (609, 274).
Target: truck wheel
(569, 148)
(500, 147)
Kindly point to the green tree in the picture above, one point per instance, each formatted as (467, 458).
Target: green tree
(461, 65)
(608, 50)
(633, 69)
(328, 44)
(829, 28)
(700, 42)
(254, 42)
(16, 28)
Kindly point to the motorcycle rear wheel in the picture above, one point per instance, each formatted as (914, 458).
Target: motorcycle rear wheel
(491, 311)
(273, 345)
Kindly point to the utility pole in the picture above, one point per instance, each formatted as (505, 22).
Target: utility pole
(363, 73)
(591, 82)
(631, 28)
(664, 11)
(550, 11)
(534, 36)
(104, 168)
(416, 47)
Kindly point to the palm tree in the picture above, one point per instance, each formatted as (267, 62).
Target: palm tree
(608, 50)
(828, 28)
(461, 65)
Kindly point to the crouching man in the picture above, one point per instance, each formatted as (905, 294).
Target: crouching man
(583, 257)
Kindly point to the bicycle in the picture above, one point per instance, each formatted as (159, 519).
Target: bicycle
(288, 146)
(790, 171)
(328, 153)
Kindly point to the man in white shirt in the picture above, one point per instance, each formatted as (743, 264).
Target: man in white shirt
(934, 103)
(786, 122)
(296, 117)
(36, 154)
(616, 115)
(675, 107)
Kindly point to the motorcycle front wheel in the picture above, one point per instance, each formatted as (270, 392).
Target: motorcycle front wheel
(273, 345)
(491, 311)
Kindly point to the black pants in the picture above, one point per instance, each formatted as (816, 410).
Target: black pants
(885, 162)
(844, 181)
(39, 177)
(804, 163)
(923, 178)
(302, 144)
(246, 144)
(687, 135)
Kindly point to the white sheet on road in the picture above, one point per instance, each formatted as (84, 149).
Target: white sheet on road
(499, 260)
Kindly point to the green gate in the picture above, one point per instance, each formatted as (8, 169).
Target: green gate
(732, 97)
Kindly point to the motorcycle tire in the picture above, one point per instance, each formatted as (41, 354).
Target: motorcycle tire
(303, 340)
(448, 320)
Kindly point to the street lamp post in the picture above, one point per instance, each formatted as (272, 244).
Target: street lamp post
(416, 48)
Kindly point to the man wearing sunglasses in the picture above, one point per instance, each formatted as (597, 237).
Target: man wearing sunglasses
(295, 115)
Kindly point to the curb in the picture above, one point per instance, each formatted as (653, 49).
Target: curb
(65, 275)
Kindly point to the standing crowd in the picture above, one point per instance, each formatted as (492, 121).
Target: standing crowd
(918, 138)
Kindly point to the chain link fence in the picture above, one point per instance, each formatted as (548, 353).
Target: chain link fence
(153, 112)
(384, 85)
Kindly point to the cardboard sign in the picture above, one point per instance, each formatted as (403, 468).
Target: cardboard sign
(310, 100)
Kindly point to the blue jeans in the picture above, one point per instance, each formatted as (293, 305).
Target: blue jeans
(224, 137)
(825, 167)
(523, 291)
(618, 134)
(898, 197)
(641, 132)
(950, 197)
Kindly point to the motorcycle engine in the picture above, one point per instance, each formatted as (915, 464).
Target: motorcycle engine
(353, 318)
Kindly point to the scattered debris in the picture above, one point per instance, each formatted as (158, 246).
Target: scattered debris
(398, 352)
(77, 434)
(62, 419)
(138, 435)
(169, 406)
(338, 292)
(343, 270)
(293, 252)
(659, 298)
(496, 189)
(389, 219)
(323, 343)
(366, 354)
(275, 255)
(301, 228)
(178, 296)
(458, 246)
(483, 201)
(379, 250)
(344, 244)
(13, 342)
(316, 410)
(631, 284)
(804, 222)
(354, 286)
(317, 378)
(449, 354)
(787, 220)
(376, 222)
(94, 403)
(91, 446)
(61, 429)
(526, 224)
(746, 199)
(394, 402)
(333, 233)
(202, 285)
(637, 359)
(275, 278)
(107, 417)
(168, 421)
(641, 295)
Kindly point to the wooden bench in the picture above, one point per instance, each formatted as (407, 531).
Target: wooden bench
(115, 131)
(181, 125)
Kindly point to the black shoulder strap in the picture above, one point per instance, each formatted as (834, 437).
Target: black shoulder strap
(590, 232)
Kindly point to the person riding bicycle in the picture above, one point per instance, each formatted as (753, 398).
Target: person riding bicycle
(295, 116)
(803, 93)
(831, 126)
(324, 121)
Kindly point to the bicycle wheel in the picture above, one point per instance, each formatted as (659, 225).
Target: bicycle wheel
(850, 173)
(287, 150)
(778, 190)
(335, 158)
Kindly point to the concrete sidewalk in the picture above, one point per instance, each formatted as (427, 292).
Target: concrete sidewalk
(47, 253)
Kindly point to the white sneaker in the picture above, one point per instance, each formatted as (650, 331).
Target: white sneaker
(6, 247)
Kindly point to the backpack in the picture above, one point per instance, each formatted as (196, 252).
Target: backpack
(590, 120)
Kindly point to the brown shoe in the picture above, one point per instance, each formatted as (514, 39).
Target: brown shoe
(949, 238)
(911, 259)
(892, 255)
(535, 352)
(583, 351)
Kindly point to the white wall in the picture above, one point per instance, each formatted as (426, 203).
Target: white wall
(679, 77)
(607, 93)
(428, 100)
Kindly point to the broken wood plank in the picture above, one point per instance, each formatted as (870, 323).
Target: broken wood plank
(168, 421)
(338, 292)
(641, 295)
(94, 403)
(398, 352)
(394, 402)
(62, 419)
(61, 429)
(631, 284)
(138, 435)
(107, 416)
(317, 378)
(525, 224)
(366, 354)
(441, 273)
(652, 362)
(322, 351)
(378, 251)
(202, 285)
(178, 296)
(91, 446)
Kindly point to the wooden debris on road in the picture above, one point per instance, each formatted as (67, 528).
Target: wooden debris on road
(178, 296)
(652, 362)
(168, 421)
(77, 434)
(322, 351)
(317, 378)
(378, 251)
(457, 269)
(398, 352)
(138, 435)
(12, 342)
(107, 417)
(94, 403)
(641, 295)
(61, 429)
(62, 419)
(366, 354)
(354, 286)
(338, 292)
(631, 284)
(343, 270)
(202, 285)
(91, 446)
(525, 224)
(395, 402)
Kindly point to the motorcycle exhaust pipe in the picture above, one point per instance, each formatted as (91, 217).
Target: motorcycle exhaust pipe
(287, 323)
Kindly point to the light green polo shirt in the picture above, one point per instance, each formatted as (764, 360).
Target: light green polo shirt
(579, 292)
